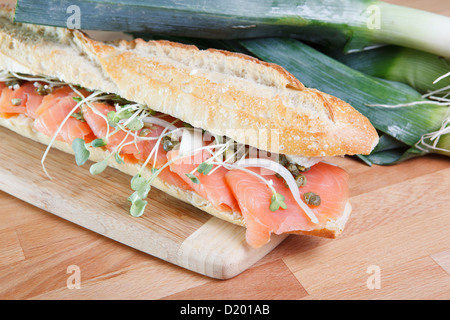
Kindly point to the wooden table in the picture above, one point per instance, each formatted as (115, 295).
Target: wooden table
(396, 246)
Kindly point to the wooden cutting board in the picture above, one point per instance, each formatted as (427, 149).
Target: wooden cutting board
(170, 229)
(400, 224)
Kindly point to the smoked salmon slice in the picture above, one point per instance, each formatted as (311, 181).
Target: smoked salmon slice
(173, 179)
(24, 93)
(34, 100)
(64, 93)
(53, 111)
(254, 196)
(140, 150)
(99, 126)
(212, 187)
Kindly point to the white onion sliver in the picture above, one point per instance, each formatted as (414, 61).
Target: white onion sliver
(278, 168)
(159, 122)
(190, 141)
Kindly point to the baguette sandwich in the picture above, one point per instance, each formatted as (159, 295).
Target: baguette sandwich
(237, 137)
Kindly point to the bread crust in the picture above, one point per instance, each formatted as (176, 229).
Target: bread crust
(248, 100)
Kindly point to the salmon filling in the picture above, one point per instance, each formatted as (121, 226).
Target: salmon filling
(132, 133)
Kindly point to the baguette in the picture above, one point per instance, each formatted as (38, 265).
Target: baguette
(227, 94)
(218, 91)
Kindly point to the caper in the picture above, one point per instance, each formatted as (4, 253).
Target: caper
(283, 160)
(44, 90)
(311, 198)
(41, 91)
(144, 132)
(168, 145)
(293, 169)
(300, 180)
(12, 83)
(48, 89)
(302, 168)
(164, 139)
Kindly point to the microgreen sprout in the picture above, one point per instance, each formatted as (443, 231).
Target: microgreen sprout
(135, 125)
(277, 201)
(113, 120)
(137, 206)
(118, 158)
(99, 167)
(115, 116)
(78, 116)
(80, 148)
(193, 178)
(141, 189)
(81, 152)
(140, 185)
(204, 168)
(97, 143)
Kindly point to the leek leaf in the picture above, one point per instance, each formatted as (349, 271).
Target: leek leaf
(386, 142)
(393, 156)
(390, 151)
(358, 89)
(352, 24)
(316, 70)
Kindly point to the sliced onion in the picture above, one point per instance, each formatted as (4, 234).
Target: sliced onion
(190, 140)
(159, 122)
(282, 171)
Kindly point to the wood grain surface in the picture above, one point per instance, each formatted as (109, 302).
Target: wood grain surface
(396, 246)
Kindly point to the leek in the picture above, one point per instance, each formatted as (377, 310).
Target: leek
(319, 71)
(405, 132)
(420, 127)
(418, 69)
(351, 24)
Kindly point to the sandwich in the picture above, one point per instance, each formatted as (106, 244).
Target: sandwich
(239, 138)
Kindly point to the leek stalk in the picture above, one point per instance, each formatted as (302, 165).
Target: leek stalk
(316, 70)
(409, 130)
(416, 68)
(349, 24)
